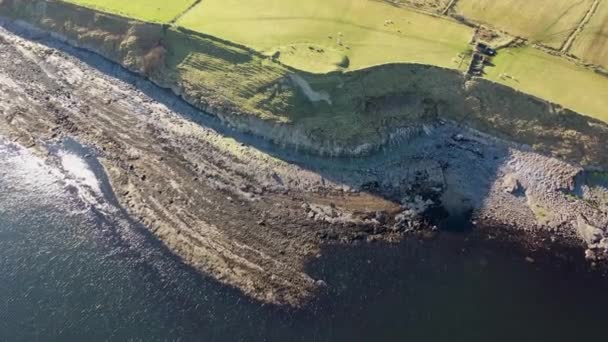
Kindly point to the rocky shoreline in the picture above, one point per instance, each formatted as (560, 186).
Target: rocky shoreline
(251, 214)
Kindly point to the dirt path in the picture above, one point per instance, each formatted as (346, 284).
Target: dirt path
(572, 38)
(249, 213)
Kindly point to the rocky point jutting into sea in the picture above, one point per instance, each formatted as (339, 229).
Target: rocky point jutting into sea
(251, 213)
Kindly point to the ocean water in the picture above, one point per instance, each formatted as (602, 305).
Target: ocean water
(74, 267)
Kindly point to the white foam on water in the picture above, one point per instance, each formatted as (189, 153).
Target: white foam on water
(29, 177)
(80, 172)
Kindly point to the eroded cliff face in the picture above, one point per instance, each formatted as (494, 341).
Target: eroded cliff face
(364, 110)
(120, 40)
(252, 215)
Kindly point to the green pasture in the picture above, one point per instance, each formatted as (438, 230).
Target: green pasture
(547, 21)
(552, 78)
(322, 35)
(592, 43)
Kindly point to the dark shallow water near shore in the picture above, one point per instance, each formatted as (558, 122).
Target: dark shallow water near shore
(73, 267)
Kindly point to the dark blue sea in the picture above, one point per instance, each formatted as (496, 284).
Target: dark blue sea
(75, 267)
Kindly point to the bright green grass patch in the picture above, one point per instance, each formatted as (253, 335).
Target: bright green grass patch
(161, 11)
(312, 57)
(367, 32)
(546, 21)
(554, 79)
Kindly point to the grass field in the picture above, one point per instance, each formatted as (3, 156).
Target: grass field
(326, 35)
(161, 11)
(321, 35)
(592, 44)
(554, 79)
(547, 21)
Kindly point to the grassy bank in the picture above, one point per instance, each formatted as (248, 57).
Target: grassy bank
(353, 107)
(159, 11)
